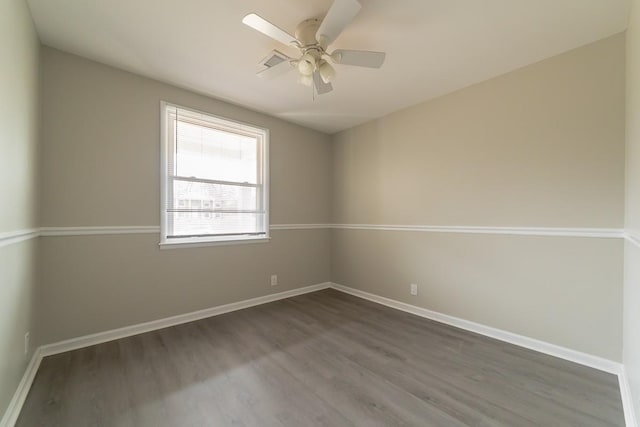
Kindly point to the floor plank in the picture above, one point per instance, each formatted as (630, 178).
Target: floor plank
(320, 359)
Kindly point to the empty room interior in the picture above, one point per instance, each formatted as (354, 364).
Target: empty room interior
(320, 213)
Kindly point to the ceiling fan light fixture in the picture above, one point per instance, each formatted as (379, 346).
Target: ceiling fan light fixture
(307, 65)
(327, 72)
(313, 38)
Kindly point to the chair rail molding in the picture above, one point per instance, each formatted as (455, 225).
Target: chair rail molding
(609, 233)
(11, 237)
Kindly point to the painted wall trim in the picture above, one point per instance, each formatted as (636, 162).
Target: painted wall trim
(15, 406)
(11, 237)
(298, 226)
(127, 331)
(520, 231)
(499, 334)
(11, 415)
(632, 237)
(147, 229)
(97, 230)
(240, 241)
(578, 357)
(630, 419)
(526, 231)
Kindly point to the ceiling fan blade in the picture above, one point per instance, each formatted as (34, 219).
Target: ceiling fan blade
(321, 86)
(260, 24)
(359, 58)
(275, 70)
(339, 16)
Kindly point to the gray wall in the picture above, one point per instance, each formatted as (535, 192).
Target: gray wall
(542, 146)
(632, 252)
(101, 145)
(18, 189)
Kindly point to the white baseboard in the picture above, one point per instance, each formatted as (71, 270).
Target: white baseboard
(13, 410)
(519, 340)
(627, 399)
(127, 331)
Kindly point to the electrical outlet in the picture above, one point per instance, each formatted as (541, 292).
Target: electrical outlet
(26, 343)
(274, 280)
(413, 289)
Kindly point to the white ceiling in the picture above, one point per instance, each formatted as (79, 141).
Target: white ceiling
(433, 46)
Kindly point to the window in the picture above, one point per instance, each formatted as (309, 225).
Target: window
(214, 181)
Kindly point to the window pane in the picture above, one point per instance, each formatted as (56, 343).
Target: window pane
(205, 223)
(209, 153)
(199, 195)
(215, 177)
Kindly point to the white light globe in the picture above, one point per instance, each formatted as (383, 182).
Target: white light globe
(327, 72)
(307, 65)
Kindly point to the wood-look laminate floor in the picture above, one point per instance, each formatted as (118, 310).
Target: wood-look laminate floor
(324, 358)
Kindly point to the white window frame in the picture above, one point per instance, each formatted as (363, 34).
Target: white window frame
(166, 243)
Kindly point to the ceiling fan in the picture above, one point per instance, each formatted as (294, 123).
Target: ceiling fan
(312, 38)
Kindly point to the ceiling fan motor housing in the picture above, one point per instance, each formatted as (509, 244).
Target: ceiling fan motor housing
(306, 32)
(312, 50)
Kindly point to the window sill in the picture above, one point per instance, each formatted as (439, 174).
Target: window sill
(189, 243)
